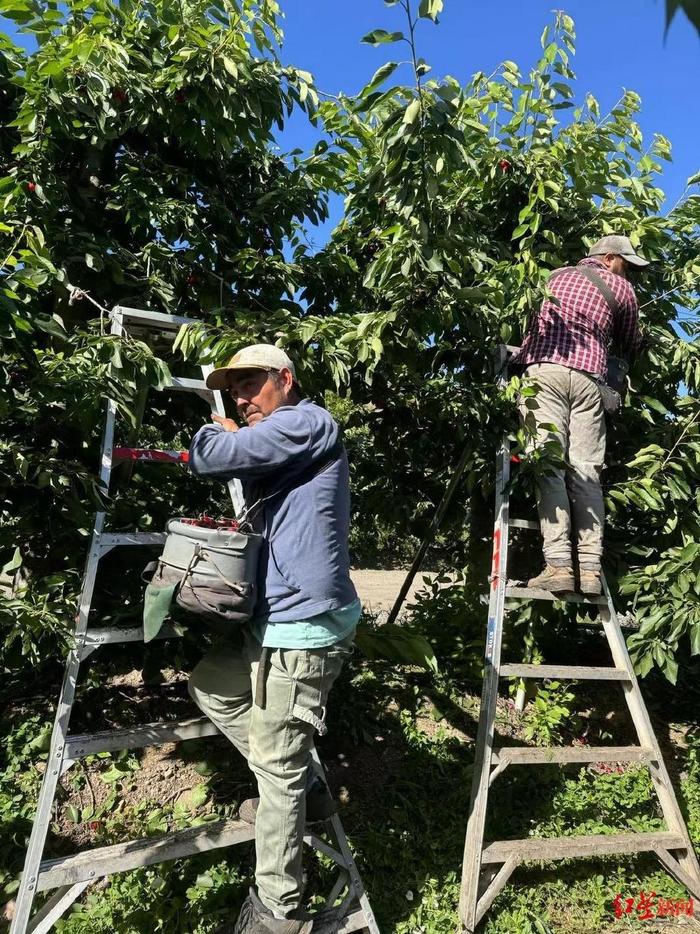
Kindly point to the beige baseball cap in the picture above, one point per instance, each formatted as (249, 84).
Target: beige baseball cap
(255, 357)
(619, 245)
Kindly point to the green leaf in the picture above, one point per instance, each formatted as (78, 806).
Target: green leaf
(381, 36)
(691, 8)
(396, 644)
(204, 881)
(655, 404)
(430, 9)
(695, 639)
(13, 564)
(230, 66)
(198, 796)
(644, 665)
(53, 325)
(412, 112)
(380, 75)
(670, 669)
(112, 775)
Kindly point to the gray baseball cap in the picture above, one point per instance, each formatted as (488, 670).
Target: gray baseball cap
(619, 245)
(254, 357)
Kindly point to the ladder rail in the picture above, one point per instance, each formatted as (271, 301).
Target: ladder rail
(54, 766)
(645, 730)
(474, 901)
(492, 661)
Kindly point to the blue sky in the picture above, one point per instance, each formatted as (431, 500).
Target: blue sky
(620, 44)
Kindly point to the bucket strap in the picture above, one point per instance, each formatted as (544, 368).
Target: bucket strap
(200, 553)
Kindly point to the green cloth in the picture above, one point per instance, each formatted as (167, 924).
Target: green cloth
(316, 632)
(156, 607)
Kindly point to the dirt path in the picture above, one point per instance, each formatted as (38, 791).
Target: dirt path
(378, 589)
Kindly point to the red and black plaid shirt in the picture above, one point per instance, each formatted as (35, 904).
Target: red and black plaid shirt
(578, 332)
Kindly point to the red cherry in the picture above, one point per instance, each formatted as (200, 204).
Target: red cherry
(504, 165)
(192, 279)
(31, 186)
(119, 95)
(180, 96)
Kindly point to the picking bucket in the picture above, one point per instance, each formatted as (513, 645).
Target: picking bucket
(210, 571)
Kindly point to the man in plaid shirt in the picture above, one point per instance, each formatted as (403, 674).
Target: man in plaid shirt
(565, 355)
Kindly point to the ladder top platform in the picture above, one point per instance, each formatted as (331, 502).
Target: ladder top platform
(154, 318)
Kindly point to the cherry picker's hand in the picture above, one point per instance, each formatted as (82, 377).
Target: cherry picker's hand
(227, 424)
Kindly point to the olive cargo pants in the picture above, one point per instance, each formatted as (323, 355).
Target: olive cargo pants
(276, 739)
(568, 409)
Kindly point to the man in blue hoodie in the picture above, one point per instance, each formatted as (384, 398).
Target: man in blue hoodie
(267, 689)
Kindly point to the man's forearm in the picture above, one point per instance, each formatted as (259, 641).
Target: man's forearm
(208, 456)
(251, 452)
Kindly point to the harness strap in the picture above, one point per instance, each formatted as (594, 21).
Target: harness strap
(595, 279)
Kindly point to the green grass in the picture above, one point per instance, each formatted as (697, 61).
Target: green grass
(408, 743)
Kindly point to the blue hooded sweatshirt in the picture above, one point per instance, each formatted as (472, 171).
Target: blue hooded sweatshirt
(304, 567)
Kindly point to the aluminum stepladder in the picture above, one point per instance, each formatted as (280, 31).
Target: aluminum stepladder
(71, 875)
(487, 867)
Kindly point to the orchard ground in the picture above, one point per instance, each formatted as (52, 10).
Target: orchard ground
(398, 757)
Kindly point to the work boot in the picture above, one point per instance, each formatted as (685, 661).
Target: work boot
(255, 918)
(320, 804)
(554, 579)
(589, 582)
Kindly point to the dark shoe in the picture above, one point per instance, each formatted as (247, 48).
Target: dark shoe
(589, 582)
(255, 918)
(554, 579)
(319, 804)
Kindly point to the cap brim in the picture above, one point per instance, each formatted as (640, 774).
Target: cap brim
(634, 260)
(218, 379)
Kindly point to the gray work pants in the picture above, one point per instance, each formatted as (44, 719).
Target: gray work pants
(568, 410)
(276, 739)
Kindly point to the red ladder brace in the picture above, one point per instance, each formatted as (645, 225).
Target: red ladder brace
(146, 454)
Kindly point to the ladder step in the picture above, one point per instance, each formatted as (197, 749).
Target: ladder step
(189, 385)
(151, 734)
(546, 848)
(109, 636)
(567, 672)
(530, 593)
(539, 756)
(524, 524)
(120, 857)
(112, 539)
(355, 921)
(150, 455)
